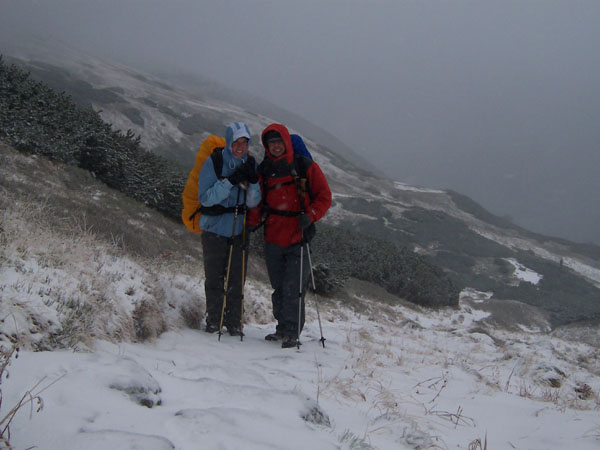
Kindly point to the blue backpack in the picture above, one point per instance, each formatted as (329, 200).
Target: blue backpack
(299, 146)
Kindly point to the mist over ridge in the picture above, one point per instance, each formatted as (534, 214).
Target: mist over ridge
(496, 101)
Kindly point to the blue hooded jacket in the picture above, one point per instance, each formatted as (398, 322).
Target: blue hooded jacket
(214, 191)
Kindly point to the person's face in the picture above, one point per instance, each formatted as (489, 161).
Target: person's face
(276, 148)
(239, 147)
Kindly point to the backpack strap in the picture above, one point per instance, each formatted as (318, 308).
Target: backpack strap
(217, 160)
(217, 210)
(280, 212)
(302, 164)
(297, 170)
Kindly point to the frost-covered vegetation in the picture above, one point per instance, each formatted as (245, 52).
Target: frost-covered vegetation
(391, 376)
(38, 120)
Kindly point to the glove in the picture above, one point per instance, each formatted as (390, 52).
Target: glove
(239, 176)
(250, 171)
(304, 221)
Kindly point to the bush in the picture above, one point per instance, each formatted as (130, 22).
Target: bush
(36, 119)
(396, 269)
(326, 282)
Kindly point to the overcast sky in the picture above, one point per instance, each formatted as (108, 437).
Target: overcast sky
(497, 99)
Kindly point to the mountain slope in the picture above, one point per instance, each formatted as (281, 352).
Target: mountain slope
(475, 248)
(392, 375)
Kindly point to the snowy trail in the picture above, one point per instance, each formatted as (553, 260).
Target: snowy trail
(226, 394)
(377, 387)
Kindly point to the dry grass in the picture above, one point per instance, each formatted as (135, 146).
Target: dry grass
(70, 282)
(6, 418)
(31, 398)
(478, 445)
(88, 263)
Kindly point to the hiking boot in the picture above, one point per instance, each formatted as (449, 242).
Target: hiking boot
(290, 342)
(274, 336)
(211, 328)
(235, 331)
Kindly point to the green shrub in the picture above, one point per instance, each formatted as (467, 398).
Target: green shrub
(396, 269)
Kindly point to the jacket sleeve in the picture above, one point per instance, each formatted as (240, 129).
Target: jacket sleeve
(254, 214)
(211, 190)
(320, 189)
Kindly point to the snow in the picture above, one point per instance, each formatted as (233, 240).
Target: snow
(390, 377)
(523, 273)
(365, 387)
(406, 187)
(577, 264)
(475, 295)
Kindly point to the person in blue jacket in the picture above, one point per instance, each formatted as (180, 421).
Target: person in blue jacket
(220, 194)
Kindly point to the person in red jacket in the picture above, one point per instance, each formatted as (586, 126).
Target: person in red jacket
(295, 195)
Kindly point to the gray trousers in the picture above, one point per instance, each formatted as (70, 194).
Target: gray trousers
(215, 249)
(283, 265)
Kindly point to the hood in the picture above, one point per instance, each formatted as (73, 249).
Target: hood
(285, 134)
(233, 132)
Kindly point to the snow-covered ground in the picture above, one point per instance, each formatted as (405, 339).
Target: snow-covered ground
(372, 386)
(388, 378)
(523, 273)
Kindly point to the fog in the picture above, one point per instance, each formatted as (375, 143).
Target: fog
(498, 100)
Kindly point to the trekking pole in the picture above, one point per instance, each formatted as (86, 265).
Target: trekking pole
(314, 286)
(300, 293)
(305, 241)
(235, 216)
(244, 243)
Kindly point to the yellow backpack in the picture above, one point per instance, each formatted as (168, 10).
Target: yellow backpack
(191, 206)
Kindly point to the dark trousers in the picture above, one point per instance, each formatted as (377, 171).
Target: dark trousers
(283, 265)
(215, 249)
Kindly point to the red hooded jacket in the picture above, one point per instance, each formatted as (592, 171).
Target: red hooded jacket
(279, 229)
